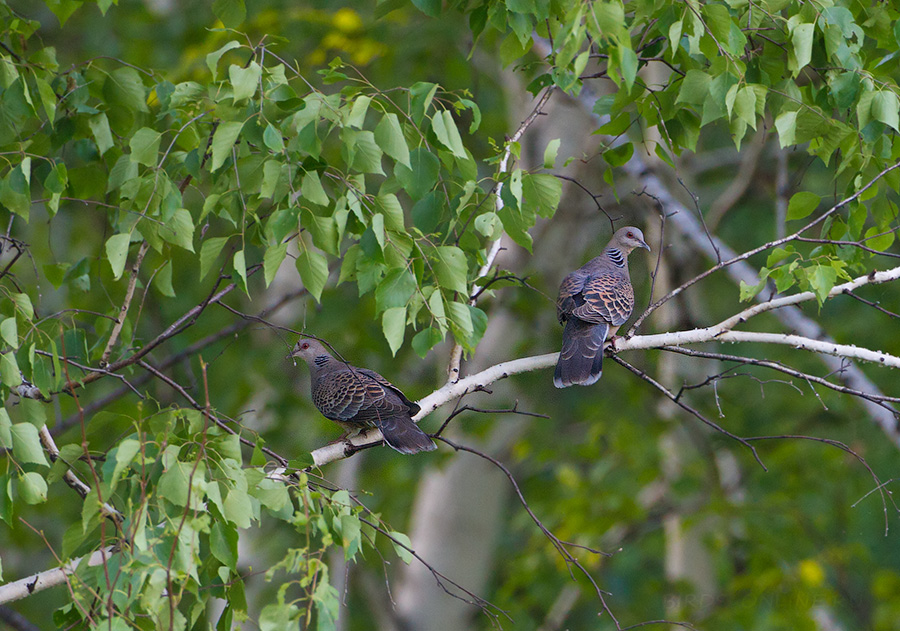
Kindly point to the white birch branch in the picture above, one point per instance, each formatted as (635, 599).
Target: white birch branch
(451, 391)
(49, 578)
(714, 334)
(72, 479)
(873, 278)
(442, 396)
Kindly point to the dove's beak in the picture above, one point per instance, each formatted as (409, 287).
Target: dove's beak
(645, 246)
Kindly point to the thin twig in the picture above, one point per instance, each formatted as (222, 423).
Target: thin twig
(126, 303)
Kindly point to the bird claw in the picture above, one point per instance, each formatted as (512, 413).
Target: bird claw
(612, 343)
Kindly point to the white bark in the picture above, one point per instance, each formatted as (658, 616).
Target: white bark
(49, 578)
(716, 333)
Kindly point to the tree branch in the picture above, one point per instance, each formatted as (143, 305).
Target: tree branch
(50, 578)
(126, 303)
(716, 333)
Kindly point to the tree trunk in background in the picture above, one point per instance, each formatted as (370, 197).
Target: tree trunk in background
(458, 515)
(687, 558)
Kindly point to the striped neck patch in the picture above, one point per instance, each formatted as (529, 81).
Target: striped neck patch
(615, 255)
(320, 360)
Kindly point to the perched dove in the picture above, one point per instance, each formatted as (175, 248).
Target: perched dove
(594, 301)
(358, 398)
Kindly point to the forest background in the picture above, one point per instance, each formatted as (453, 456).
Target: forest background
(185, 186)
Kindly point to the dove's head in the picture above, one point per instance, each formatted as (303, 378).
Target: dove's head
(629, 238)
(310, 350)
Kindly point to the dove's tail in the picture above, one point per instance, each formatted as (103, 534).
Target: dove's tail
(401, 433)
(581, 358)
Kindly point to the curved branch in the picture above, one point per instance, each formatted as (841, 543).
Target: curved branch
(872, 278)
(449, 392)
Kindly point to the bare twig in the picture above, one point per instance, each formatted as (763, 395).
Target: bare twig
(562, 547)
(126, 303)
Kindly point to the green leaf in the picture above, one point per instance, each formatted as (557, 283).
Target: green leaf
(33, 488)
(273, 139)
(163, 280)
(9, 370)
(822, 279)
(272, 261)
(881, 242)
(886, 108)
(516, 226)
(209, 252)
(6, 441)
(117, 253)
(425, 340)
(628, 65)
(223, 142)
(357, 117)
(389, 136)
(125, 453)
(431, 8)
(24, 306)
(145, 146)
(402, 546)
(351, 535)
(240, 267)
(786, 124)
(694, 87)
(489, 225)
(393, 324)
(778, 255)
(238, 508)
(428, 212)
(223, 544)
(461, 318)
(395, 289)
(173, 483)
(447, 134)
(367, 158)
(9, 332)
(313, 270)
(48, 98)
(99, 125)
(124, 90)
(392, 210)
(421, 94)
(212, 59)
(324, 231)
(864, 108)
(15, 192)
(231, 12)
(311, 189)
(451, 268)
(745, 105)
(179, 230)
(802, 204)
(27, 445)
(550, 153)
(802, 41)
(244, 81)
(421, 176)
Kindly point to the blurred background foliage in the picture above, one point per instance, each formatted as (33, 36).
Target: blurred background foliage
(614, 468)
